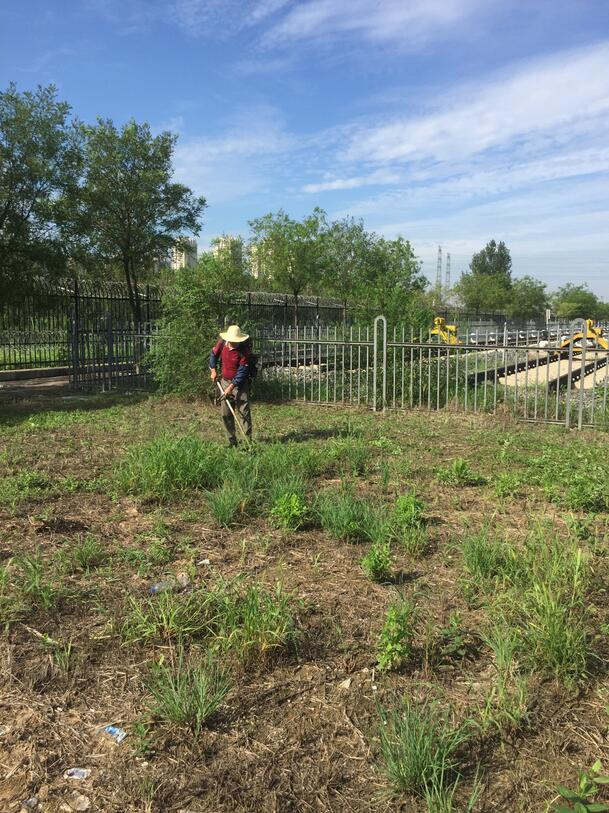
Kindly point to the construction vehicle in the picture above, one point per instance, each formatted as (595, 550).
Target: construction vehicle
(445, 333)
(592, 335)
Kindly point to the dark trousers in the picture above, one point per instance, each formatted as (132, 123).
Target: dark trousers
(240, 401)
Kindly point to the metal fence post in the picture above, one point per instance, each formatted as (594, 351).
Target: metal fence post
(110, 353)
(572, 329)
(383, 322)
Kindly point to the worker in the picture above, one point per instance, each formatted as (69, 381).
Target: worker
(234, 355)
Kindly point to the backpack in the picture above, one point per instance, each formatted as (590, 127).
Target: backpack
(252, 365)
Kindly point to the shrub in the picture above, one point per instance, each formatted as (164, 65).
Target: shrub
(394, 645)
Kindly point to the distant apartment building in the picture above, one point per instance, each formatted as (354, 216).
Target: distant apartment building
(184, 253)
(229, 247)
(259, 260)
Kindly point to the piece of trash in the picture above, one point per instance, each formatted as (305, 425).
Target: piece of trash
(77, 773)
(79, 802)
(203, 562)
(4, 729)
(345, 684)
(183, 579)
(161, 587)
(31, 804)
(114, 731)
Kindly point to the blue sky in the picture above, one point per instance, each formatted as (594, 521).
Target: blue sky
(445, 121)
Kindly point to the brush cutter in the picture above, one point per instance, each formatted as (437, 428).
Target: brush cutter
(227, 398)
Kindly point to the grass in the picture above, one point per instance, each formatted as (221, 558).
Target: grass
(347, 517)
(377, 563)
(188, 692)
(419, 745)
(458, 473)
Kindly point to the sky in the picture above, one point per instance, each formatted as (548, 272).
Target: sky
(449, 122)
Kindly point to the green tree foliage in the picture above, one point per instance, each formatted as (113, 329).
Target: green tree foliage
(189, 328)
(488, 284)
(40, 161)
(528, 298)
(578, 301)
(393, 285)
(347, 257)
(131, 213)
(293, 256)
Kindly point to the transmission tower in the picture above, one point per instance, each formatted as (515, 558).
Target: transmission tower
(447, 283)
(439, 271)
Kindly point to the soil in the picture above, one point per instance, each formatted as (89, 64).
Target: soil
(299, 730)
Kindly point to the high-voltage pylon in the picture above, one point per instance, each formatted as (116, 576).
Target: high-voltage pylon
(447, 283)
(439, 271)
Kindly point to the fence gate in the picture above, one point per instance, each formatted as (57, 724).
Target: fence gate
(104, 356)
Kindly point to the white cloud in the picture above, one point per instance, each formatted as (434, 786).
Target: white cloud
(410, 21)
(331, 184)
(557, 99)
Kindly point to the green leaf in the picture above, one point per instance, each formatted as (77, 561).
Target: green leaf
(601, 780)
(568, 794)
(597, 807)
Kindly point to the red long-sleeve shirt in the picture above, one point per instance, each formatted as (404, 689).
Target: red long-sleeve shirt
(234, 362)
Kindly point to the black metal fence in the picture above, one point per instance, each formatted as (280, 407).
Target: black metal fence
(34, 327)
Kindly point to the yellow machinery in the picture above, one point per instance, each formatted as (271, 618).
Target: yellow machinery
(445, 333)
(593, 336)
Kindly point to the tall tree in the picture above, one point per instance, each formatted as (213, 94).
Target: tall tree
(347, 256)
(40, 162)
(130, 209)
(487, 285)
(293, 255)
(494, 260)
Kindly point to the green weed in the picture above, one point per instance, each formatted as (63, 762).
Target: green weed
(377, 563)
(345, 516)
(394, 645)
(88, 553)
(581, 800)
(289, 511)
(458, 473)
(227, 504)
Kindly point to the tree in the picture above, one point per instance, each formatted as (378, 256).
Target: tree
(577, 301)
(130, 210)
(40, 162)
(493, 260)
(293, 255)
(347, 255)
(527, 298)
(488, 284)
(393, 283)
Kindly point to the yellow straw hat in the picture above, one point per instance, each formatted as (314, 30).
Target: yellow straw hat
(234, 335)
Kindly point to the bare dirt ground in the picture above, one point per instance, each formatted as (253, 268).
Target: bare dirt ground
(299, 730)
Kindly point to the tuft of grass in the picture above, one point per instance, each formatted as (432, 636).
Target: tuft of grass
(394, 644)
(506, 704)
(228, 504)
(507, 484)
(188, 693)
(345, 516)
(458, 473)
(376, 564)
(170, 615)
(419, 746)
(34, 584)
(487, 562)
(88, 553)
(168, 467)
